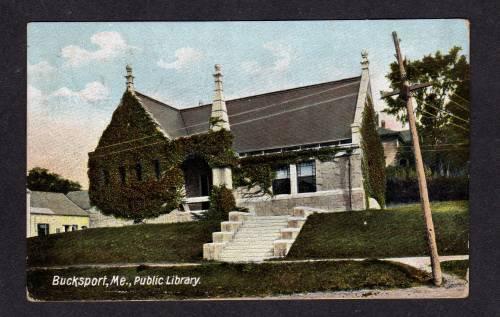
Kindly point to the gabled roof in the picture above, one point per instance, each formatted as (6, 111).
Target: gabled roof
(403, 135)
(305, 115)
(80, 198)
(54, 203)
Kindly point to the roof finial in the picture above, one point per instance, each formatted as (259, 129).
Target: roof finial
(130, 79)
(364, 59)
(219, 118)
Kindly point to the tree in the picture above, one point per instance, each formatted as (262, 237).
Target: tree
(373, 163)
(40, 179)
(442, 110)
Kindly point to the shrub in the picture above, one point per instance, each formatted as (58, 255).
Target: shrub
(405, 190)
(373, 164)
(221, 203)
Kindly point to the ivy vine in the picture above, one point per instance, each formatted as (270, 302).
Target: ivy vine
(256, 173)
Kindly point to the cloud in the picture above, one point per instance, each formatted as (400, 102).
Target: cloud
(282, 53)
(93, 92)
(283, 56)
(61, 130)
(110, 45)
(40, 69)
(184, 57)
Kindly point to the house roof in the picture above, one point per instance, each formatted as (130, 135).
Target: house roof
(80, 198)
(305, 115)
(404, 135)
(54, 203)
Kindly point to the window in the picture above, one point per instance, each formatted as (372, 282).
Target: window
(105, 176)
(58, 230)
(74, 227)
(66, 228)
(123, 174)
(306, 177)
(156, 165)
(138, 171)
(42, 229)
(281, 183)
(84, 227)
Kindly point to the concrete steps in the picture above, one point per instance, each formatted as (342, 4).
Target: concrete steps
(254, 240)
(250, 238)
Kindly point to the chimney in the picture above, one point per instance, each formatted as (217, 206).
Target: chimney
(219, 119)
(130, 79)
(382, 124)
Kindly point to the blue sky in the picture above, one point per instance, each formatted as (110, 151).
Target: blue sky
(75, 70)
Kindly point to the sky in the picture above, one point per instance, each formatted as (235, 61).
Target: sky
(75, 70)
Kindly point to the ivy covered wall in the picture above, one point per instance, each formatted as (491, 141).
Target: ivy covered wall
(135, 171)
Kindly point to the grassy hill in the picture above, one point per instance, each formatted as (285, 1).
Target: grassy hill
(394, 232)
(230, 280)
(390, 233)
(176, 242)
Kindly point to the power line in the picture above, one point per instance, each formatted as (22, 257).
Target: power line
(272, 105)
(128, 149)
(449, 113)
(460, 105)
(446, 150)
(467, 101)
(128, 141)
(437, 145)
(458, 126)
(293, 110)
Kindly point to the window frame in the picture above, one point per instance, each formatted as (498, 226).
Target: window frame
(46, 229)
(278, 184)
(303, 179)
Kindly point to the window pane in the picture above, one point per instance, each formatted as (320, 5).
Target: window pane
(306, 177)
(281, 186)
(306, 184)
(306, 169)
(43, 229)
(283, 172)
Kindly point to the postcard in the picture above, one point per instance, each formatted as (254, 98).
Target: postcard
(248, 160)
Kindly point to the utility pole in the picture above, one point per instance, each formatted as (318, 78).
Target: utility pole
(405, 92)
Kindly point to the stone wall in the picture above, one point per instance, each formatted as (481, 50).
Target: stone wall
(332, 184)
(98, 220)
(334, 201)
(332, 175)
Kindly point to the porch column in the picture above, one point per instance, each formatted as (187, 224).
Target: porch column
(293, 179)
(222, 176)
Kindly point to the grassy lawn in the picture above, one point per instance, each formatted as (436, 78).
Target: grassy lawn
(231, 280)
(395, 232)
(177, 242)
(458, 267)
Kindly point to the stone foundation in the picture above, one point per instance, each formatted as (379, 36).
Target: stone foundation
(98, 220)
(332, 201)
